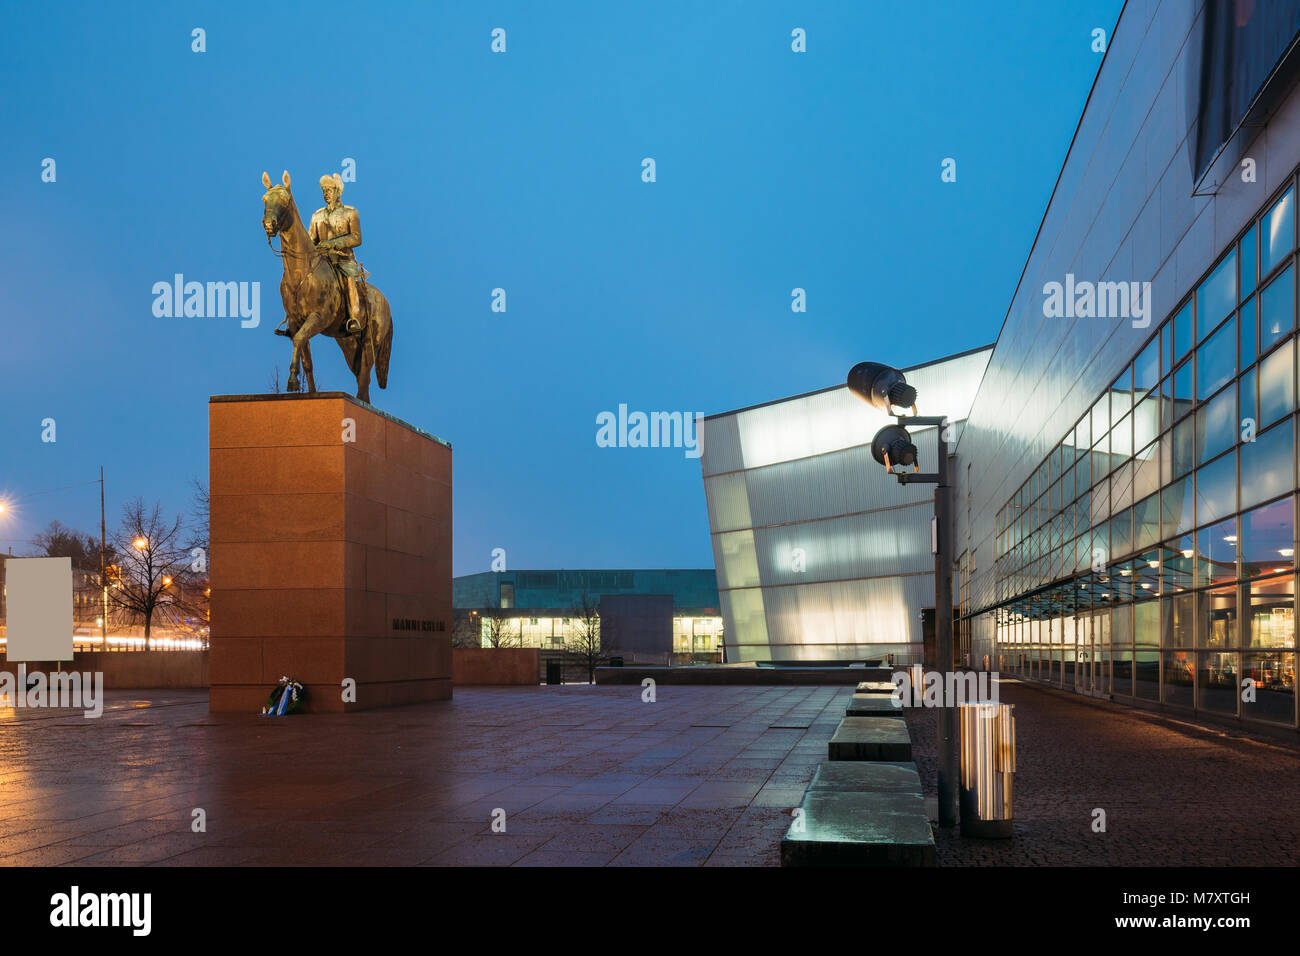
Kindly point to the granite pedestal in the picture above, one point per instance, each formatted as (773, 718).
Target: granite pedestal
(330, 553)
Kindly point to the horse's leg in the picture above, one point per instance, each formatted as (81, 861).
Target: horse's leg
(306, 367)
(314, 323)
(292, 385)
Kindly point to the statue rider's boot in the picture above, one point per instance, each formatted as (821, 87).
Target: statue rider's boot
(354, 323)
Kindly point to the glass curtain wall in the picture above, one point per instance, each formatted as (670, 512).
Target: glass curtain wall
(1152, 555)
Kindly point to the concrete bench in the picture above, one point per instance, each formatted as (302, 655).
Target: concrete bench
(876, 687)
(838, 828)
(872, 705)
(870, 738)
(867, 776)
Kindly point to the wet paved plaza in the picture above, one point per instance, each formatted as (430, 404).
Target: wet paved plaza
(705, 775)
(585, 776)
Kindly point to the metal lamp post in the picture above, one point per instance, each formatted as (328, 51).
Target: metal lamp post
(886, 388)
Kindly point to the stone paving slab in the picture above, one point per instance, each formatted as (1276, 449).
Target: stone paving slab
(872, 705)
(870, 738)
(858, 776)
(859, 829)
(584, 775)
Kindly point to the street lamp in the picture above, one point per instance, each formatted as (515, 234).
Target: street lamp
(886, 388)
(140, 543)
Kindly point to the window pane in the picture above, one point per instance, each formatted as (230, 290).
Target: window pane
(1101, 459)
(1183, 391)
(1146, 370)
(1216, 547)
(1272, 613)
(1146, 421)
(1216, 360)
(1178, 678)
(1121, 396)
(1176, 507)
(1274, 677)
(1179, 557)
(1216, 426)
(1249, 260)
(1101, 417)
(1178, 620)
(1147, 623)
(1216, 489)
(1249, 401)
(1166, 393)
(1246, 323)
(1277, 307)
(1268, 538)
(1183, 331)
(1184, 447)
(1217, 681)
(1146, 522)
(1277, 236)
(1268, 465)
(1217, 295)
(1146, 472)
(1121, 488)
(1121, 440)
(1146, 673)
(1146, 570)
(1276, 385)
(1218, 618)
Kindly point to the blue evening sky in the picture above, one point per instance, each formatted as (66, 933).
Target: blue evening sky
(521, 170)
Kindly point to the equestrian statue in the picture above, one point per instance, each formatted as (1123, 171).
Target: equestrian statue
(323, 287)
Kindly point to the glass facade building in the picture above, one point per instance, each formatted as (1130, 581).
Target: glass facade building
(1127, 479)
(821, 556)
(1152, 553)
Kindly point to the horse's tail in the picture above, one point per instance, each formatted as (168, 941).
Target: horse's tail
(383, 348)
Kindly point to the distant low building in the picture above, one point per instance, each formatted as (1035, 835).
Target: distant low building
(644, 614)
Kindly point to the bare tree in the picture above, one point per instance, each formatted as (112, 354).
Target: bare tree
(496, 628)
(466, 629)
(202, 517)
(586, 643)
(273, 382)
(153, 571)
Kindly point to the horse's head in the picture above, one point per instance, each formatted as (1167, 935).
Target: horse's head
(277, 206)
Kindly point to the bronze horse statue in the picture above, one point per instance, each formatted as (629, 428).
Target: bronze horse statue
(314, 303)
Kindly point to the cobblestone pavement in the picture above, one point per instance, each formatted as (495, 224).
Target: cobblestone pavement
(1175, 793)
(585, 775)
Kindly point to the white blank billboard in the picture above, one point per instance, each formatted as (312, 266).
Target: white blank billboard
(39, 593)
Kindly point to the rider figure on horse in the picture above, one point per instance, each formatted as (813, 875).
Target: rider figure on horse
(336, 230)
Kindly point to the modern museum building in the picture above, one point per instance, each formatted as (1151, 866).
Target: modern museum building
(1125, 477)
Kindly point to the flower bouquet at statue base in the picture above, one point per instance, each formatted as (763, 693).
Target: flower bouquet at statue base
(286, 698)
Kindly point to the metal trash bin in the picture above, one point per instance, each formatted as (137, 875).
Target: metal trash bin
(988, 760)
(554, 672)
